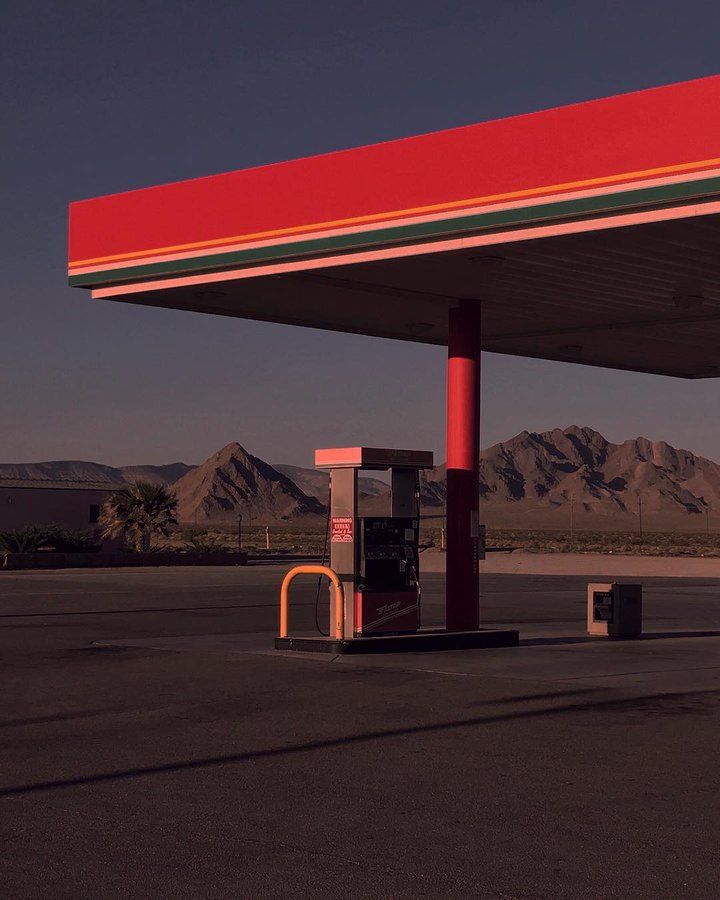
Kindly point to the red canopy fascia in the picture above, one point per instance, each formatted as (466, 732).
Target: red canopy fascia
(447, 182)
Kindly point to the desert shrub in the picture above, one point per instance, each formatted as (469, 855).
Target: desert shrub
(23, 540)
(65, 540)
(33, 538)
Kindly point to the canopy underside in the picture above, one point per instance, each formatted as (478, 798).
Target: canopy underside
(644, 297)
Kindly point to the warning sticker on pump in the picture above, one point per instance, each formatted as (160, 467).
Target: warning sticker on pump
(341, 531)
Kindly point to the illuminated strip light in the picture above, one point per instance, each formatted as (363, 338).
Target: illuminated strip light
(498, 237)
(462, 206)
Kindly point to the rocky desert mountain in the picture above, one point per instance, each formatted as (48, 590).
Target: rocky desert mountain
(233, 481)
(316, 483)
(533, 478)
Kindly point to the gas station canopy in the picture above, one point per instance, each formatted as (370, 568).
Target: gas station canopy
(588, 233)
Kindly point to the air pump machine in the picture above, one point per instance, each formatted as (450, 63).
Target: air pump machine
(375, 557)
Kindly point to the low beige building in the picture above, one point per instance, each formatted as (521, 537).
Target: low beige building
(73, 504)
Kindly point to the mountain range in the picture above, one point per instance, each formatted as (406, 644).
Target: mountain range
(533, 480)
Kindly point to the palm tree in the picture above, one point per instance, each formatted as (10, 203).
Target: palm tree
(138, 512)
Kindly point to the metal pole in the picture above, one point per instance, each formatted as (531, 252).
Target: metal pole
(240, 533)
(640, 514)
(572, 524)
(267, 537)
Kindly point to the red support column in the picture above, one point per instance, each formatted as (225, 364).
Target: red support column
(462, 589)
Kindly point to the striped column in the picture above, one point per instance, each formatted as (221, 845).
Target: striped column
(462, 596)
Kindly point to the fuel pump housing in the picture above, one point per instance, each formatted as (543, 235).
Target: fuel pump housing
(376, 557)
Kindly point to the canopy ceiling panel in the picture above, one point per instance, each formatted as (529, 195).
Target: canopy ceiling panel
(589, 234)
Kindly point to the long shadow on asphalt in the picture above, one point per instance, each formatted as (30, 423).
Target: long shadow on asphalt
(365, 737)
(90, 713)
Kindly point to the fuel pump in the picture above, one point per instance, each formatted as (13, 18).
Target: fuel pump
(387, 590)
(376, 557)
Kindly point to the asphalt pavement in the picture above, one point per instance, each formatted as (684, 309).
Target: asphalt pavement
(153, 744)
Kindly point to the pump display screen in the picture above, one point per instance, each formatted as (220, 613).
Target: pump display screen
(388, 549)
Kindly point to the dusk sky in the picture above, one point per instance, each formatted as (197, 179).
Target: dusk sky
(103, 97)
